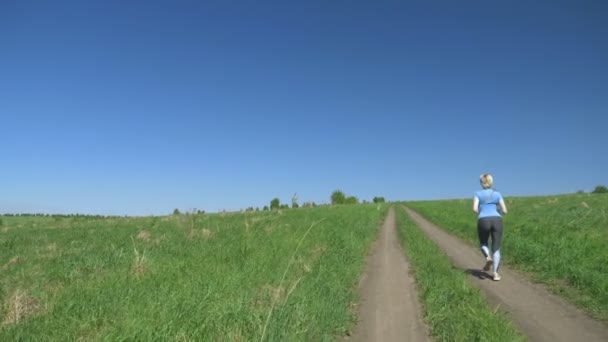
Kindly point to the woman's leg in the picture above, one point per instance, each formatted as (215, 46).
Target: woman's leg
(496, 239)
(483, 232)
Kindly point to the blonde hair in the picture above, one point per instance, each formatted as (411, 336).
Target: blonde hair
(486, 180)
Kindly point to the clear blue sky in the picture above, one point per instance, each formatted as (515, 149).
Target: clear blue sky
(139, 107)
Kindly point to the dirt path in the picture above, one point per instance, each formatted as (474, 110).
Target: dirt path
(541, 315)
(389, 309)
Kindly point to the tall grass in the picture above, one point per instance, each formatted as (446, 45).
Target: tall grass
(559, 240)
(272, 276)
(454, 310)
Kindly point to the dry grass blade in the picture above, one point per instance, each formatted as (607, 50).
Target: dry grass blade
(20, 306)
(291, 290)
(144, 235)
(285, 274)
(139, 264)
(14, 260)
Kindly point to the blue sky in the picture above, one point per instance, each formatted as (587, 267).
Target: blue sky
(139, 107)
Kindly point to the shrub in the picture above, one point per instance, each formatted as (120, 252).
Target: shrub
(265, 208)
(294, 201)
(379, 200)
(338, 197)
(351, 200)
(600, 189)
(275, 204)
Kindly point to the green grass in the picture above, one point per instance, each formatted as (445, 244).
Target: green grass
(559, 240)
(188, 277)
(454, 310)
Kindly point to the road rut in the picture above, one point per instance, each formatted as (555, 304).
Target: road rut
(389, 308)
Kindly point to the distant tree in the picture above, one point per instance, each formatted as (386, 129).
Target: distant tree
(338, 197)
(351, 200)
(275, 204)
(378, 200)
(309, 205)
(249, 209)
(294, 201)
(600, 189)
(176, 211)
(265, 208)
(580, 192)
(284, 206)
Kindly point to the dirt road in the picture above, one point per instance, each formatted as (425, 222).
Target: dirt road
(389, 308)
(539, 314)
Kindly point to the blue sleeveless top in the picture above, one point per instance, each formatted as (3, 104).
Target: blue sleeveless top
(488, 202)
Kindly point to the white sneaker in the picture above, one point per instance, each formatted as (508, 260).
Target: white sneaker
(488, 264)
(496, 277)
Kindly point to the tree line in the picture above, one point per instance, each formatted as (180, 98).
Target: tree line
(338, 197)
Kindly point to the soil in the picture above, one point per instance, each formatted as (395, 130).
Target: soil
(389, 308)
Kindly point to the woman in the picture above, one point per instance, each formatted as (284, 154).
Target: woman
(486, 203)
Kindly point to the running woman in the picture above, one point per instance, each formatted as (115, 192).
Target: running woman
(486, 204)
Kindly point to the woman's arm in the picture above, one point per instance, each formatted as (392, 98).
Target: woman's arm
(476, 204)
(503, 207)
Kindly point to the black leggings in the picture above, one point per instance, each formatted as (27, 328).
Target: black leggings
(487, 226)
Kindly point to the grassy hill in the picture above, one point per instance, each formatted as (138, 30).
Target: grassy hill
(559, 240)
(280, 275)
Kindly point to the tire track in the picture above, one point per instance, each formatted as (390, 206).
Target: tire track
(389, 308)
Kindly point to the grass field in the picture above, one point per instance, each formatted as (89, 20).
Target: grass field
(559, 240)
(454, 310)
(276, 276)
